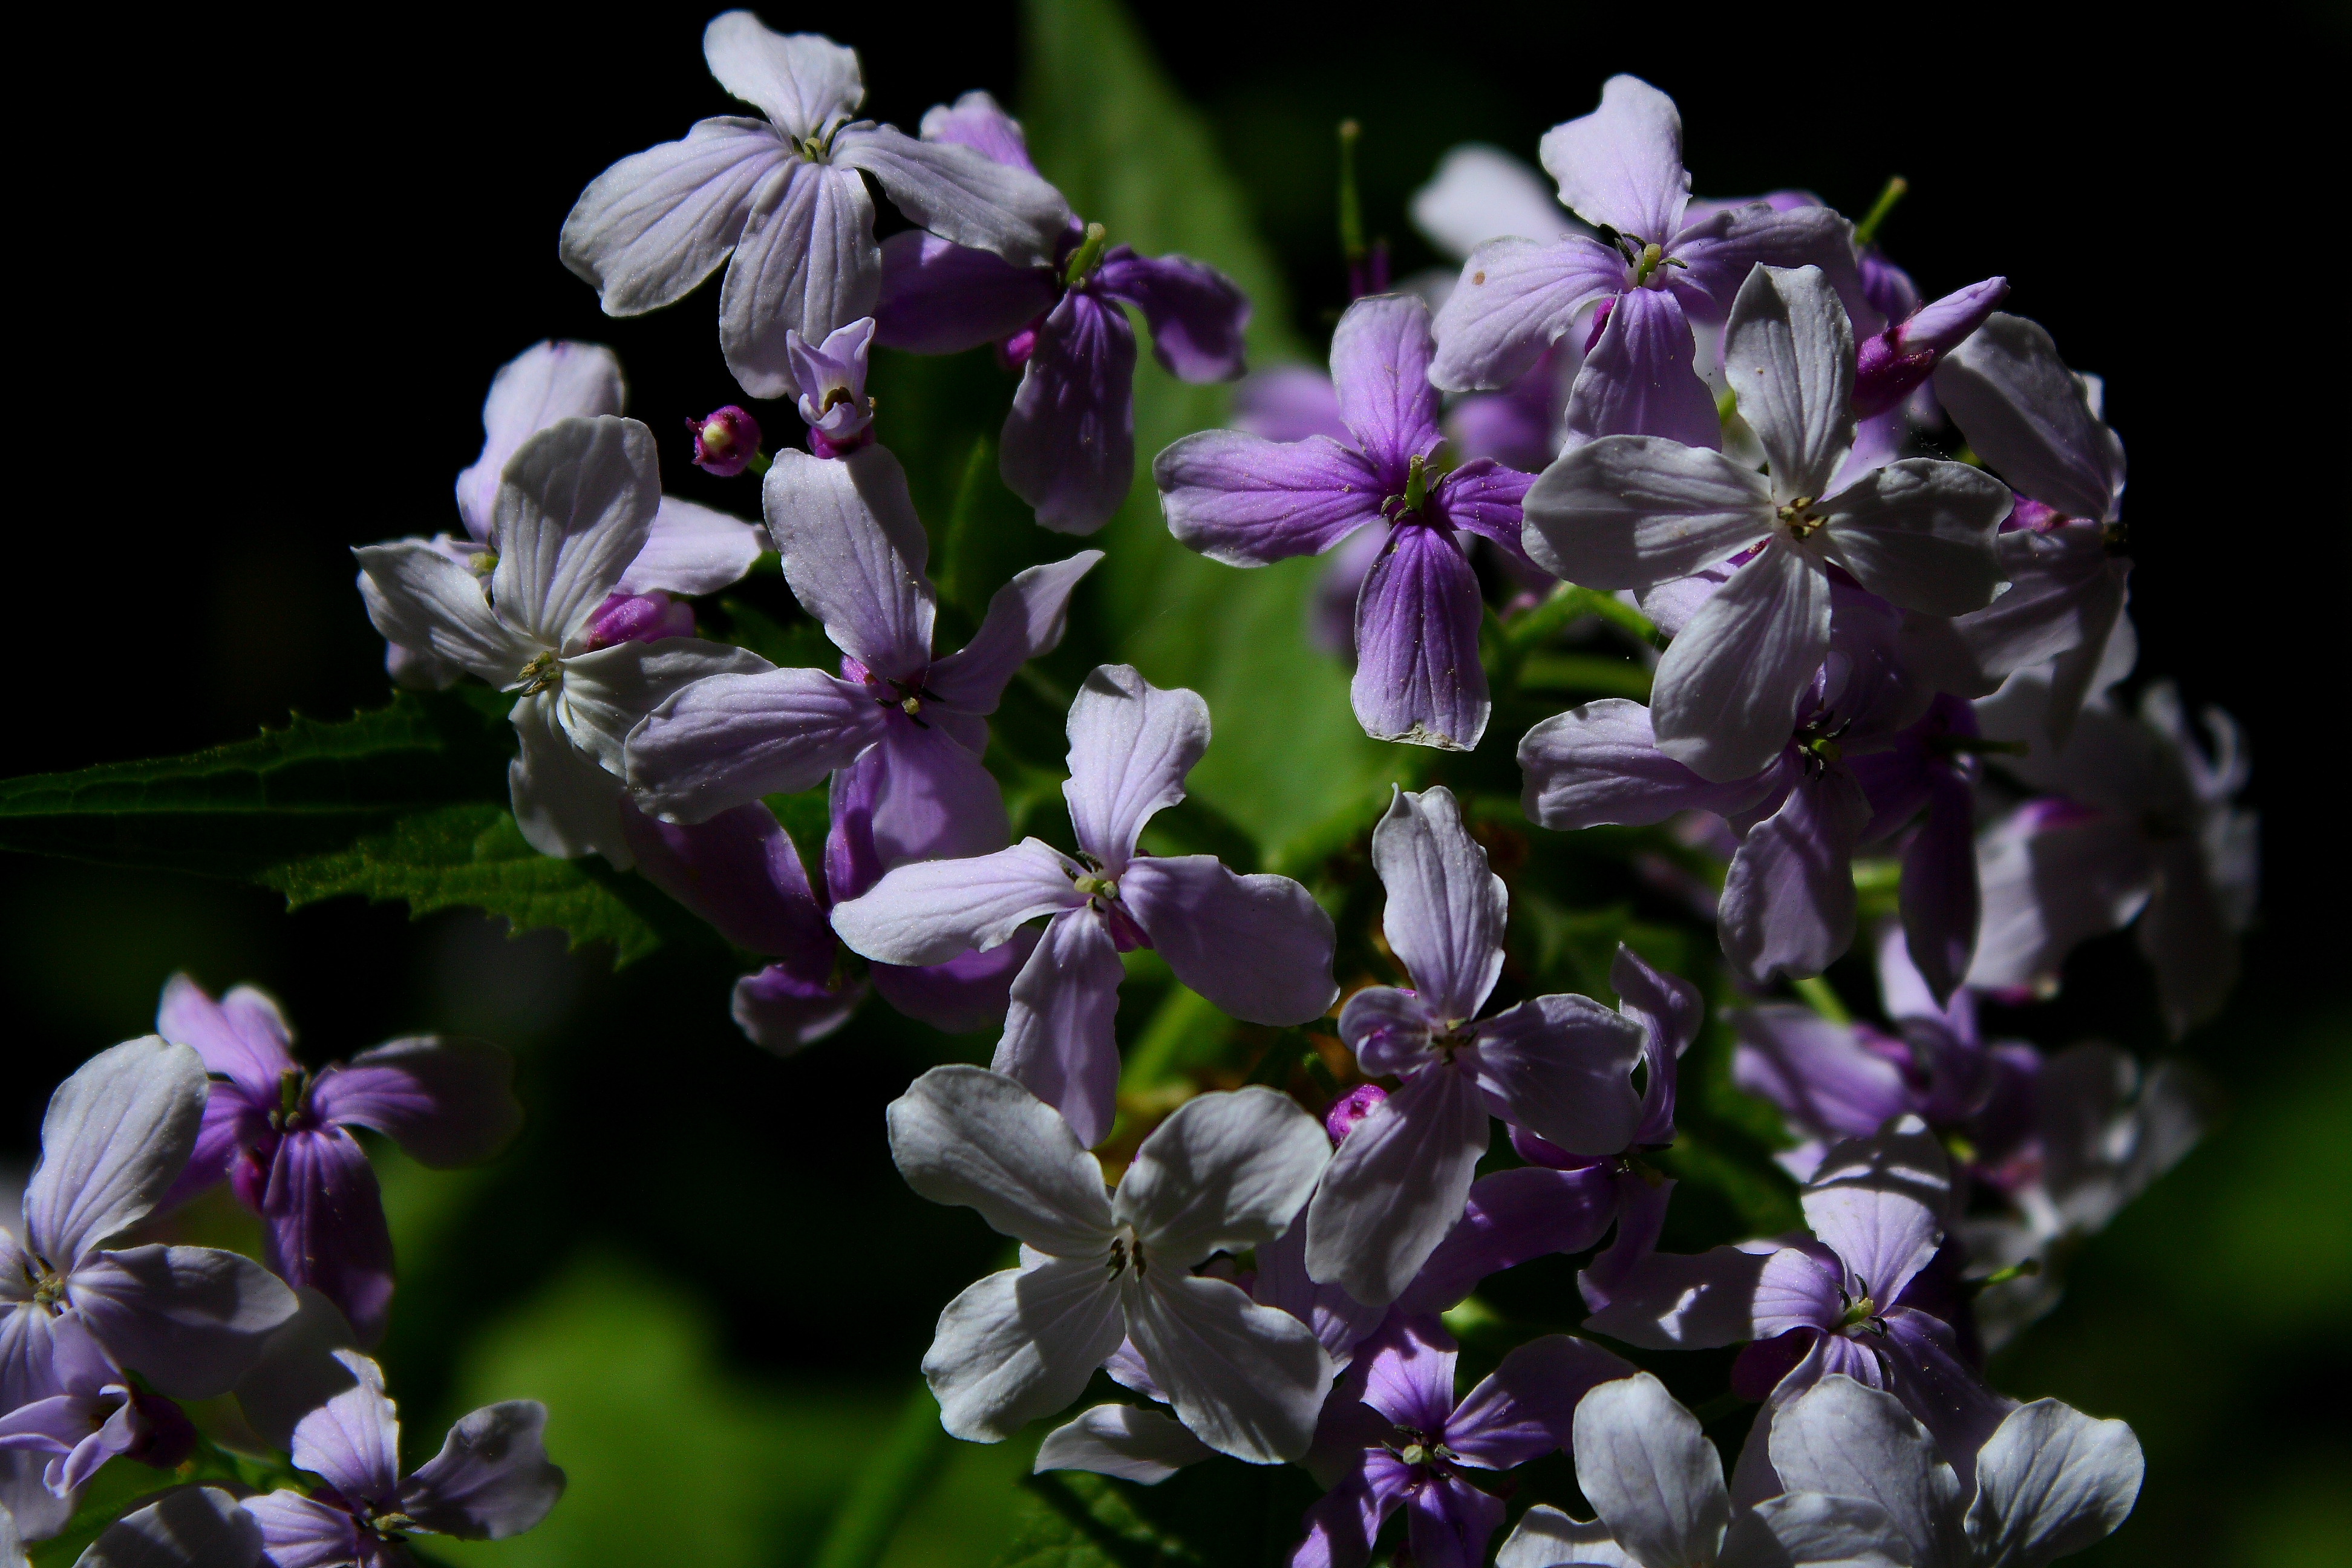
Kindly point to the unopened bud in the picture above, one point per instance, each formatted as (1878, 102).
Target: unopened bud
(637, 617)
(726, 442)
(1890, 366)
(1351, 1108)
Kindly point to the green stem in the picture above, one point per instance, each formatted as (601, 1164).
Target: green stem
(1351, 211)
(1817, 996)
(1866, 230)
(1089, 255)
(911, 1455)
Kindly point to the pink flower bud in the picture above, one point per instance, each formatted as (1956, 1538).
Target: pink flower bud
(1890, 366)
(726, 442)
(1351, 1108)
(637, 617)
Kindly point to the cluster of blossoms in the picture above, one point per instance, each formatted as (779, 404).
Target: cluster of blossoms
(1724, 421)
(104, 1336)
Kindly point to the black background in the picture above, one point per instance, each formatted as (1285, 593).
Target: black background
(271, 266)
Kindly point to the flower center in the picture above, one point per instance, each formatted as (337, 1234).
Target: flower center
(390, 1525)
(540, 674)
(1416, 490)
(1125, 1251)
(1800, 518)
(906, 696)
(293, 1112)
(49, 1292)
(1088, 257)
(1861, 1314)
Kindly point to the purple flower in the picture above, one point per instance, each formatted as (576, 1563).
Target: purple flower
(490, 1481)
(831, 377)
(192, 1526)
(1257, 946)
(1409, 1442)
(1244, 501)
(189, 1320)
(1619, 168)
(575, 508)
(725, 440)
(1226, 1172)
(689, 549)
(787, 198)
(99, 1415)
(2139, 824)
(1895, 363)
(282, 1136)
(1068, 446)
(1928, 772)
(1656, 1485)
(1634, 511)
(2038, 425)
(1557, 1066)
(2047, 1482)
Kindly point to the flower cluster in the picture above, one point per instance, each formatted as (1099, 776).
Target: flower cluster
(1861, 551)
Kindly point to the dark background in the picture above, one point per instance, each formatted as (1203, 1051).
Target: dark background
(270, 273)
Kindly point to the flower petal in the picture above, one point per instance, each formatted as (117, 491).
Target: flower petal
(1445, 907)
(726, 741)
(1807, 1530)
(1194, 311)
(1418, 677)
(2027, 414)
(782, 1011)
(1720, 252)
(607, 693)
(1026, 619)
(574, 507)
(323, 1225)
(1069, 441)
(1823, 1080)
(1132, 743)
(1397, 1185)
(547, 382)
(961, 1135)
(1058, 1038)
(1674, 1301)
(800, 80)
(447, 1103)
(242, 1036)
(1244, 500)
(1641, 378)
(1788, 901)
(298, 1532)
(1633, 511)
(1841, 1438)
(854, 551)
(691, 549)
(1020, 1344)
(1481, 193)
(1380, 368)
(1546, 1538)
(2051, 1483)
(1622, 164)
(1599, 764)
(807, 263)
(741, 872)
(1510, 1217)
(194, 1527)
(421, 600)
(1787, 352)
(352, 1441)
(1127, 1441)
(1259, 947)
(1517, 297)
(1919, 533)
(1528, 1407)
(1561, 1067)
(930, 911)
(565, 805)
(649, 229)
(1225, 1173)
(115, 1136)
(1725, 699)
(1879, 1202)
(1247, 1380)
(491, 1479)
(1650, 1473)
(941, 298)
(959, 194)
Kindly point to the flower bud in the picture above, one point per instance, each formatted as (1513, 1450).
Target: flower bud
(831, 377)
(726, 442)
(637, 617)
(1889, 366)
(1351, 1108)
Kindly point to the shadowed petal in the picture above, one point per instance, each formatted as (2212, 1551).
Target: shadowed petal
(1720, 252)
(1788, 899)
(1069, 442)
(1651, 1474)
(959, 193)
(1633, 511)
(2027, 414)
(1671, 1301)
(1640, 378)
(196, 1527)
(1247, 1380)
(323, 1225)
(1058, 1038)
(1124, 1440)
(1725, 699)
(447, 1103)
(727, 742)
(941, 298)
(1599, 764)
(2051, 1483)
(782, 1011)
(1561, 1067)
(1195, 313)
(1527, 1407)
(1879, 1202)
(421, 599)
(114, 1137)
(1244, 501)
(1817, 1072)
(1841, 1438)
(1418, 679)
(961, 1135)
(607, 693)
(352, 1441)
(1020, 1344)
(1509, 1217)
(741, 872)
(807, 263)
(1517, 297)
(1481, 193)
(691, 549)
(1025, 618)
(574, 507)
(1397, 1185)
(1225, 1173)
(1919, 534)
(564, 805)
(491, 1479)
(1259, 947)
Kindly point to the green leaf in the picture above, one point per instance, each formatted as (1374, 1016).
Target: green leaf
(1108, 127)
(1220, 1514)
(404, 802)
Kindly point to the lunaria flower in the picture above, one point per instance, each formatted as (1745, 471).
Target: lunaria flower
(1068, 445)
(1246, 501)
(575, 508)
(1561, 1066)
(786, 196)
(1634, 511)
(491, 1479)
(192, 1526)
(1258, 947)
(99, 1415)
(1225, 1173)
(282, 1135)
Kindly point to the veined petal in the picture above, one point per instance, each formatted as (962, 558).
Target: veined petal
(2051, 1483)
(1511, 1216)
(547, 382)
(691, 549)
(1409, 1375)
(1020, 1344)
(731, 740)
(1069, 441)
(930, 911)
(1226, 1172)
(1807, 1530)
(943, 299)
(1388, 1029)
(1650, 1473)
(114, 1137)
(574, 507)
(564, 803)
(1632, 511)
(1397, 1185)
(242, 1036)
(1247, 1380)
(1641, 378)
(961, 1135)
(853, 552)
(1787, 352)
(1528, 1407)
(1842, 1439)
(1622, 164)
(1725, 700)
(1517, 297)
(739, 872)
(800, 80)
(1418, 677)
(1244, 500)
(605, 695)
(196, 1527)
(446, 1102)
(1481, 193)
(1919, 533)
(960, 194)
(419, 598)
(1546, 1538)
(1380, 367)
(190, 1319)
(1483, 496)
(1132, 743)
(1194, 312)
(1129, 1441)
(1445, 906)
(649, 229)
(1789, 899)
(1817, 1072)
(1259, 947)
(1719, 253)
(1879, 1202)
(1561, 1067)
(1026, 619)
(1600, 764)
(1674, 1301)
(1797, 1290)
(932, 799)
(299, 1533)
(2027, 414)
(323, 1225)
(807, 263)
(976, 120)
(1058, 1038)
(491, 1479)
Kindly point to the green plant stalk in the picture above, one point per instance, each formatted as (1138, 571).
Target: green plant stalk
(909, 1457)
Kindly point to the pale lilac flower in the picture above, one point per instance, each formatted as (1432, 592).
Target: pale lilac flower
(98, 1415)
(282, 1135)
(1417, 1440)
(1068, 446)
(1929, 773)
(2048, 1482)
(575, 508)
(1619, 168)
(189, 1320)
(1225, 1173)
(1558, 1065)
(192, 1526)
(1897, 362)
(1634, 511)
(1246, 501)
(490, 1481)
(832, 378)
(1256, 946)
(2138, 824)
(725, 441)
(690, 548)
(1480, 193)
(1656, 1487)
(787, 198)
(2040, 428)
